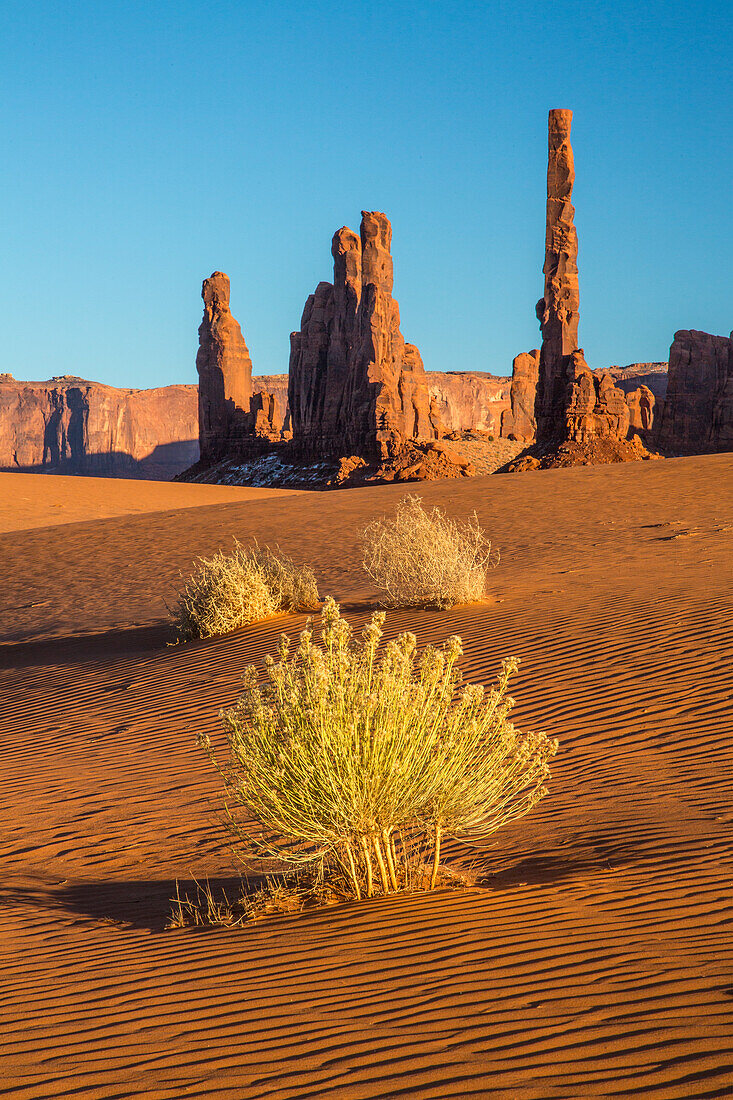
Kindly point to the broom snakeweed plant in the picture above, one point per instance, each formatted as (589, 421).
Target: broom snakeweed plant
(355, 758)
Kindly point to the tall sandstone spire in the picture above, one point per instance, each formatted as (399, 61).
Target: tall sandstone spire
(558, 310)
(355, 386)
(573, 404)
(225, 372)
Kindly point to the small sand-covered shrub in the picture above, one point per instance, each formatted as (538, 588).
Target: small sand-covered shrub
(354, 760)
(228, 591)
(421, 558)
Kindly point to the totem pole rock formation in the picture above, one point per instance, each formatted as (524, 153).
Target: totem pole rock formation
(558, 310)
(698, 409)
(225, 373)
(355, 386)
(573, 404)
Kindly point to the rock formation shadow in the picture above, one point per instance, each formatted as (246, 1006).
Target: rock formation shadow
(162, 464)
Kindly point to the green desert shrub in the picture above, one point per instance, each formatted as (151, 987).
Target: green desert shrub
(228, 591)
(355, 759)
(421, 558)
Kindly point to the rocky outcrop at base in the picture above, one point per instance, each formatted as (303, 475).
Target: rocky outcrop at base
(641, 404)
(595, 451)
(519, 421)
(578, 412)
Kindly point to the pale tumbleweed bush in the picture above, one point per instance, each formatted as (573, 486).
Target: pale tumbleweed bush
(420, 558)
(228, 591)
(355, 760)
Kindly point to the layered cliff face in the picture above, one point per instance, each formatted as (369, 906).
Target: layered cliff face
(355, 385)
(651, 375)
(225, 373)
(72, 426)
(698, 409)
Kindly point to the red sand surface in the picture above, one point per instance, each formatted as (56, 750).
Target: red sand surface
(24, 503)
(597, 960)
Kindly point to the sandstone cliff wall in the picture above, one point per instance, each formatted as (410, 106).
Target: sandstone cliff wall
(72, 426)
(698, 410)
(469, 399)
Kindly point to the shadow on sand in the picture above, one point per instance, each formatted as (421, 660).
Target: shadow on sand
(86, 648)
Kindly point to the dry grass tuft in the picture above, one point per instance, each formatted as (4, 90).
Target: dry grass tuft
(228, 591)
(421, 558)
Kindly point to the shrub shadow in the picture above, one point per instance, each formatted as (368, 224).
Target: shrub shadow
(85, 648)
(133, 904)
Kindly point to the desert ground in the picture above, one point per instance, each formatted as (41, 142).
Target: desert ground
(596, 958)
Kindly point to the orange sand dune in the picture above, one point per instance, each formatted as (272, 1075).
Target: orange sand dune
(25, 503)
(597, 960)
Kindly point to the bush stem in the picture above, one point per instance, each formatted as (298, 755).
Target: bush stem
(380, 861)
(386, 837)
(368, 862)
(352, 872)
(436, 856)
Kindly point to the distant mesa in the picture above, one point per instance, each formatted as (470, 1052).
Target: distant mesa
(69, 425)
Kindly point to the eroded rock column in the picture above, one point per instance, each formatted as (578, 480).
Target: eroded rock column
(558, 310)
(225, 372)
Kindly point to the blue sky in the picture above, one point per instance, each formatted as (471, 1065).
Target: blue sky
(147, 145)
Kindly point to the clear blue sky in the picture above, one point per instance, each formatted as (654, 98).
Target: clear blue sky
(148, 144)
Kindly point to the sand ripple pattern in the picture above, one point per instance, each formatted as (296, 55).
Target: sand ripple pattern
(595, 960)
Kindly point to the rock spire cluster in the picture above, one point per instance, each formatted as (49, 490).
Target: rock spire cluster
(355, 386)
